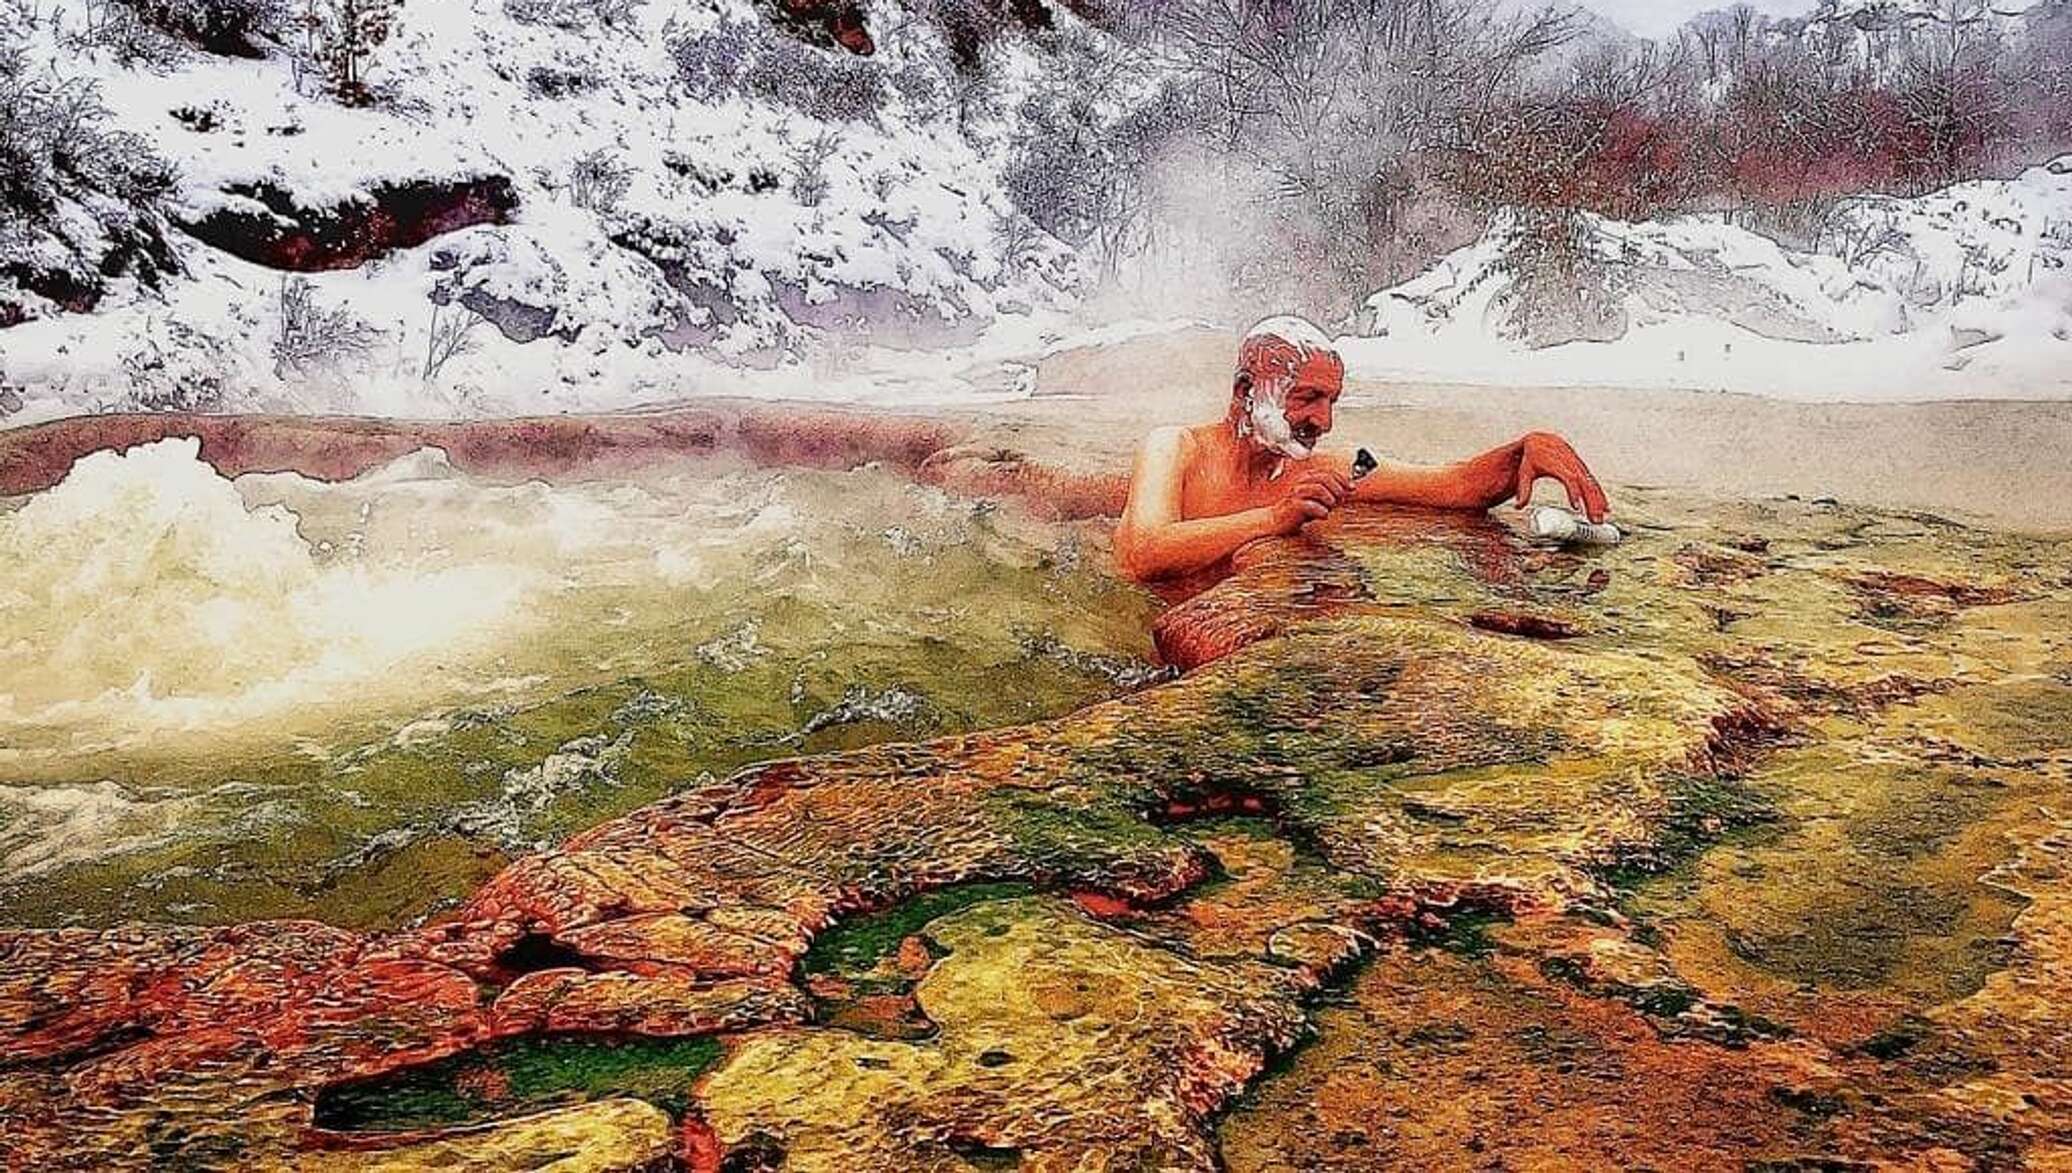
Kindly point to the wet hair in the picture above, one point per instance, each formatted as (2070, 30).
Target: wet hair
(1269, 360)
(1275, 348)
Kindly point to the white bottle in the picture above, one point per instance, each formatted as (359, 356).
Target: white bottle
(1560, 525)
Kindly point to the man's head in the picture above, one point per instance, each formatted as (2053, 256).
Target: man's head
(1288, 379)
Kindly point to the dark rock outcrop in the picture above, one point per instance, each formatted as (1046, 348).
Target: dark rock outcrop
(283, 234)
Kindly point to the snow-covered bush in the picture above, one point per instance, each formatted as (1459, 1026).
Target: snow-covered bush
(171, 366)
(554, 81)
(809, 169)
(227, 27)
(1560, 288)
(739, 56)
(78, 203)
(598, 180)
(310, 337)
(123, 33)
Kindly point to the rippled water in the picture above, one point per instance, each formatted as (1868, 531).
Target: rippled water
(274, 695)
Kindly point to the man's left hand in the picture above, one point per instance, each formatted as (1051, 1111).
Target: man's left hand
(1544, 454)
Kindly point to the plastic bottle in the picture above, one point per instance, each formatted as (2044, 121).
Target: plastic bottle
(1556, 524)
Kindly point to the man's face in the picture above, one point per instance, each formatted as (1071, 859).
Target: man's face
(1290, 396)
(1309, 402)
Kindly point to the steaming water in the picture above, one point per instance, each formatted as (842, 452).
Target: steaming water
(275, 695)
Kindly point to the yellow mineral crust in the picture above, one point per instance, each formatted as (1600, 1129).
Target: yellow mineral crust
(1731, 843)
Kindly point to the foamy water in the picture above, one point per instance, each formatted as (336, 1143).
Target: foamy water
(207, 681)
(147, 595)
(145, 588)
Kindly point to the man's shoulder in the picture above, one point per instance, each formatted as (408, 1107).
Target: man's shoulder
(1169, 440)
(1183, 437)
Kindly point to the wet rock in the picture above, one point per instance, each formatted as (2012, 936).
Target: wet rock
(981, 472)
(1524, 624)
(1026, 987)
(1967, 337)
(1348, 774)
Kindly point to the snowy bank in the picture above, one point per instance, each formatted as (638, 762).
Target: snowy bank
(1962, 293)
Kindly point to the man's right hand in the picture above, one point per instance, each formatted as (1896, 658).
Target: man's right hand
(1311, 497)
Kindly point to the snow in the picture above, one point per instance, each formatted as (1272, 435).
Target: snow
(700, 273)
(1962, 293)
(719, 272)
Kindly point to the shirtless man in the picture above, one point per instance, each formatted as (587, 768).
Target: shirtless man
(1199, 493)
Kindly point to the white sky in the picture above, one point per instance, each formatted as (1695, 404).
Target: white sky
(1659, 18)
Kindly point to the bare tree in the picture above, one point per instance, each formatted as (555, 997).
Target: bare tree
(342, 35)
(1333, 95)
(450, 335)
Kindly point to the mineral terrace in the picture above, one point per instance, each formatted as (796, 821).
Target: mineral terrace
(1743, 844)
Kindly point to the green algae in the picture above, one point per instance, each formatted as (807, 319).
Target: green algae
(521, 1076)
(1868, 879)
(856, 945)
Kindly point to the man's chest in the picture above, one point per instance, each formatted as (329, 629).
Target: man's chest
(1213, 492)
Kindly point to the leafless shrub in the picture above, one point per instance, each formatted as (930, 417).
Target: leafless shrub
(450, 335)
(1859, 234)
(1016, 237)
(310, 337)
(809, 168)
(574, 15)
(598, 181)
(1561, 289)
(342, 37)
(122, 32)
(1975, 272)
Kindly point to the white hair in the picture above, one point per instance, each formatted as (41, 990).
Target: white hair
(1266, 391)
(1300, 333)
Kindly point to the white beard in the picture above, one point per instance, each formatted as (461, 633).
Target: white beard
(1267, 423)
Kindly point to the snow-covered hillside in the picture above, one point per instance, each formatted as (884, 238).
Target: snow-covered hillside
(583, 216)
(1966, 292)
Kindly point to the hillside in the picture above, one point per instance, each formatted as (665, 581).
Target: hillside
(617, 201)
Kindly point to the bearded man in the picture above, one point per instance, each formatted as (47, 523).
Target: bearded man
(1199, 493)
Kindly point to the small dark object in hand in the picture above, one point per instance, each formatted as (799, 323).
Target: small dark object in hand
(1363, 463)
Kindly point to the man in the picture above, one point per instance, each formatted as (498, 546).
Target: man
(1200, 493)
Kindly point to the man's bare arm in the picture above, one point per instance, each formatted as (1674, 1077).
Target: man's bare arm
(1153, 541)
(1488, 480)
